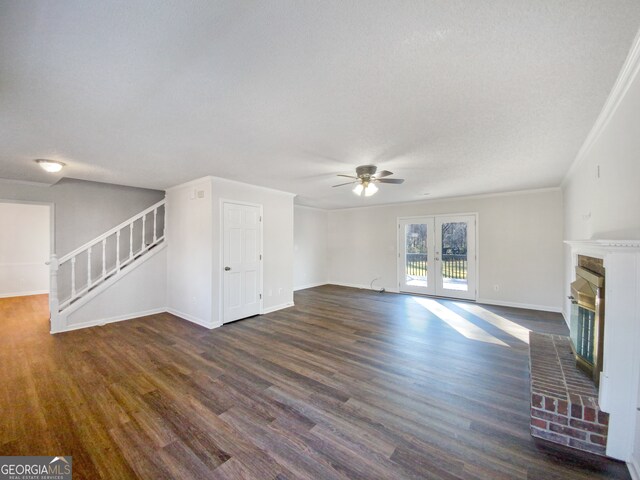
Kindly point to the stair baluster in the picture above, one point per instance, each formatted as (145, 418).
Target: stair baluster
(144, 220)
(104, 257)
(131, 240)
(155, 225)
(118, 251)
(89, 268)
(73, 277)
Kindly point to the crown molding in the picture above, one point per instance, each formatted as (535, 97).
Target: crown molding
(309, 207)
(190, 183)
(478, 196)
(227, 180)
(10, 181)
(625, 78)
(260, 187)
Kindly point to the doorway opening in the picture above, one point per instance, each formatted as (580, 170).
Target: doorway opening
(26, 246)
(437, 255)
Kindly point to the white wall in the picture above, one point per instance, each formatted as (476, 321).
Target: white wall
(309, 247)
(277, 230)
(83, 210)
(602, 190)
(141, 291)
(190, 240)
(195, 238)
(24, 248)
(608, 206)
(519, 245)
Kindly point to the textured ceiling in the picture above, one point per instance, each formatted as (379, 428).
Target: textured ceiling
(456, 97)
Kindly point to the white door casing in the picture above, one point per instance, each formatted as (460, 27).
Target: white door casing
(241, 260)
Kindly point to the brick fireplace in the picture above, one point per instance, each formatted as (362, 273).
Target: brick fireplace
(564, 400)
(618, 394)
(565, 371)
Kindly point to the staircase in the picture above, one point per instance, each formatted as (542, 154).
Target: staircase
(80, 275)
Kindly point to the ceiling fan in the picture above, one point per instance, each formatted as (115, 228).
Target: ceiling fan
(366, 179)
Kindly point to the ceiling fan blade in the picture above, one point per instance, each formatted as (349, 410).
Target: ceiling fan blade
(390, 180)
(341, 184)
(383, 173)
(348, 176)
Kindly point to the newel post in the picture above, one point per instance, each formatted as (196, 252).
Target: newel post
(54, 302)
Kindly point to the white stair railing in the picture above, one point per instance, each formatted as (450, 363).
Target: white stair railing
(85, 255)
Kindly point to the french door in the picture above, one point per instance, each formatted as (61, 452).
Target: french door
(242, 275)
(437, 255)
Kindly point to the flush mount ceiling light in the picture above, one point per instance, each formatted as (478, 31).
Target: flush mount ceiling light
(51, 166)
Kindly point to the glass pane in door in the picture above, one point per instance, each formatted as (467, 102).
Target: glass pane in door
(454, 256)
(416, 259)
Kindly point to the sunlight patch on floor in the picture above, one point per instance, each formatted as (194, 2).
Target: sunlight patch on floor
(460, 324)
(507, 326)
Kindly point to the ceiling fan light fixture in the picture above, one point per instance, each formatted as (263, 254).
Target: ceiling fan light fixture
(370, 190)
(51, 166)
(366, 180)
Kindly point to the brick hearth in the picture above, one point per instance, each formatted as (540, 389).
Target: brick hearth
(564, 401)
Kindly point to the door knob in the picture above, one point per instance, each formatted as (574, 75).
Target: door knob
(226, 269)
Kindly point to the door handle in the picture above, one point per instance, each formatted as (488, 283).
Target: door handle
(226, 269)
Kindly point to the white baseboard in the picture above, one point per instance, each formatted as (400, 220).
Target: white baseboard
(362, 286)
(634, 469)
(528, 306)
(131, 316)
(311, 285)
(351, 285)
(276, 308)
(24, 294)
(543, 308)
(192, 319)
(104, 321)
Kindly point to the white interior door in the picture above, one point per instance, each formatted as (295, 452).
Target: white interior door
(242, 276)
(437, 256)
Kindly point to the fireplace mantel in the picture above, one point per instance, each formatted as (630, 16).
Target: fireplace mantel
(620, 379)
(605, 246)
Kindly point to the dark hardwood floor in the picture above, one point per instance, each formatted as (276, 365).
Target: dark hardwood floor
(346, 384)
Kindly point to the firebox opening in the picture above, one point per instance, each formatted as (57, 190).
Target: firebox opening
(587, 316)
